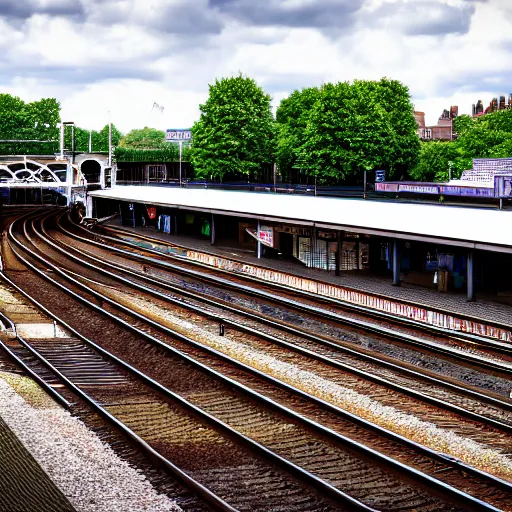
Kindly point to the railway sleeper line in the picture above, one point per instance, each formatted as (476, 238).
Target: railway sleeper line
(382, 315)
(16, 349)
(273, 339)
(476, 395)
(192, 341)
(336, 493)
(46, 357)
(46, 276)
(415, 394)
(309, 309)
(60, 374)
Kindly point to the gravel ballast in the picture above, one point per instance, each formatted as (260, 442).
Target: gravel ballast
(87, 471)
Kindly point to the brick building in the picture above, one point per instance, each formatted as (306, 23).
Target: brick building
(494, 106)
(443, 130)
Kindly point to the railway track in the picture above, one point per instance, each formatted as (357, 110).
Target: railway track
(50, 363)
(170, 251)
(401, 331)
(382, 370)
(220, 403)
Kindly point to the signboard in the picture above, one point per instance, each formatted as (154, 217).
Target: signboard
(503, 186)
(380, 176)
(178, 135)
(419, 189)
(266, 235)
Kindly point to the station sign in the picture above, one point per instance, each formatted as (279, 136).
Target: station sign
(266, 235)
(178, 135)
(380, 176)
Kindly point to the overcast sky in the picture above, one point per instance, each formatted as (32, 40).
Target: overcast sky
(122, 56)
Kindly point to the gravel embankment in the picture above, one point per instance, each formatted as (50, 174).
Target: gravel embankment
(24, 486)
(424, 432)
(91, 476)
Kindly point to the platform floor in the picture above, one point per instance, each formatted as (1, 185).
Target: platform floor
(487, 307)
(24, 486)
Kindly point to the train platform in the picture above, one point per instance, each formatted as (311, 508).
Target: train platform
(24, 485)
(487, 308)
(465, 227)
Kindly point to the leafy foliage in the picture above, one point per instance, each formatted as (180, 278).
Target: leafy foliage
(235, 133)
(433, 163)
(145, 138)
(342, 129)
(488, 136)
(99, 140)
(292, 118)
(29, 121)
(168, 153)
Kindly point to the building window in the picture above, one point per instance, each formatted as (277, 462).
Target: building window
(156, 172)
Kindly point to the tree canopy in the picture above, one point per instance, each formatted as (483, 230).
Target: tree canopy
(338, 131)
(145, 138)
(40, 121)
(434, 161)
(235, 133)
(37, 120)
(99, 139)
(168, 153)
(487, 136)
(292, 118)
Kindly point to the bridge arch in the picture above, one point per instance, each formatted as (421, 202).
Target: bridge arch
(91, 169)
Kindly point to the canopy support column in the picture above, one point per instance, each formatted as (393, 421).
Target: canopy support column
(396, 263)
(258, 248)
(470, 277)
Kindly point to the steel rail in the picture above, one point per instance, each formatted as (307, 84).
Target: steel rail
(382, 431)
(218, 303)
(473, 338)
(310, 479)
(259, 397)
(416, 394)
(321, 313)
(152, 454)
(50, 390)
(441, 487)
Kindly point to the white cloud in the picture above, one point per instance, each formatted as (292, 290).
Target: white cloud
(123, 55)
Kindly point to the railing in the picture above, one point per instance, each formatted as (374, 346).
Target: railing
(282, 188)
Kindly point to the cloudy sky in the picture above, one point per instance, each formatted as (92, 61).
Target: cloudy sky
(122, 56)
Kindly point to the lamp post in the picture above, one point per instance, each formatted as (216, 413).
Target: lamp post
(181, 154)
(62, 127)
(109, 142)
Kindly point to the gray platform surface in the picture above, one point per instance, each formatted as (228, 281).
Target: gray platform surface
(24, 486)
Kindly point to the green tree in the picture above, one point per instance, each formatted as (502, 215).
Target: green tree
(361, 126)
(37, 120)
(168, 153)
(487, 136)
(235, 133)
(433, 162)
(145, 138)
(462, 124)
(292, 118)
(102, 139)
(99, 140)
